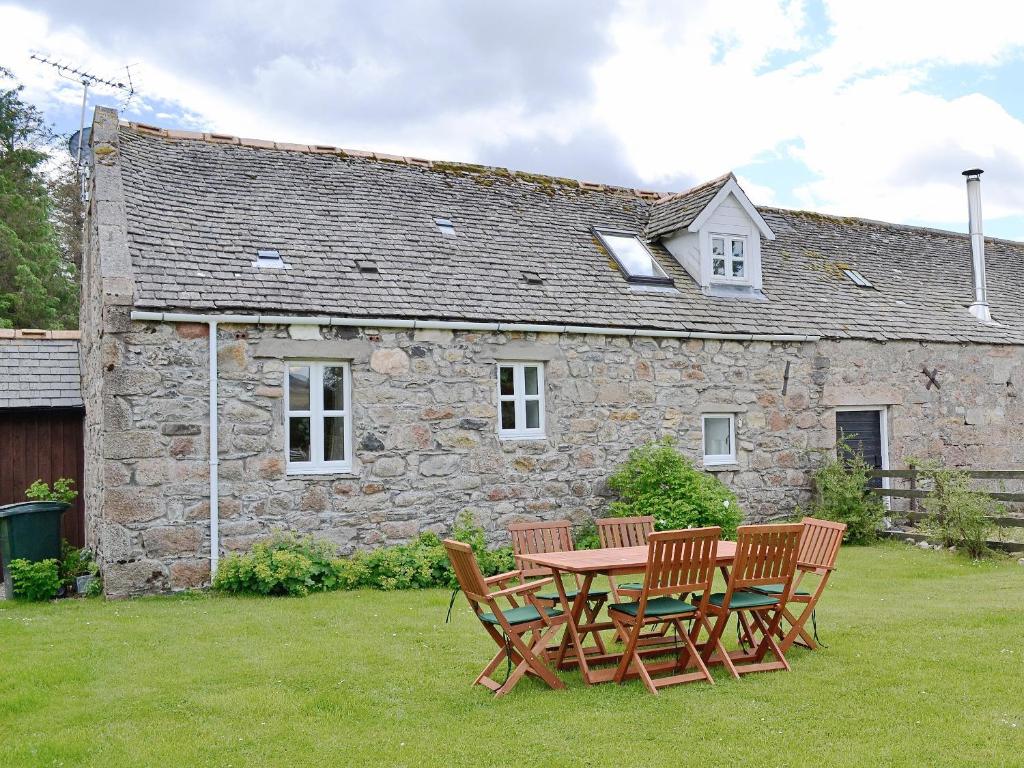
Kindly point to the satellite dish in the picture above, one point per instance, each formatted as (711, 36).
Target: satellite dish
(86, 133)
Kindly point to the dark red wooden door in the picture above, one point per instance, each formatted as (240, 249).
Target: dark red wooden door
(43, 444)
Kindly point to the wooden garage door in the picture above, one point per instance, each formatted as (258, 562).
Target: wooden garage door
(43, 444)
(862, 431)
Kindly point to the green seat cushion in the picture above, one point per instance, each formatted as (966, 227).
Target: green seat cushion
(776, 589)
(658, 606)
(634, 585)
(521, 615)
(570, 594)
(743, 599)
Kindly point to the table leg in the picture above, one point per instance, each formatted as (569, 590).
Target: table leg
(575, 610)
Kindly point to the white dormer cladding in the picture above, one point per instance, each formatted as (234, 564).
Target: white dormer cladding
(721, 248)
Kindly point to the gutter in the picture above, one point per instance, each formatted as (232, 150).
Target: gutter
(213, 319)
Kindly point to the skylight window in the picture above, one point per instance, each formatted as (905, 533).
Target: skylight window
(367, 267)
(445, 227)
(532, 278)
(857, 278)
(634, 258)
(268, 259)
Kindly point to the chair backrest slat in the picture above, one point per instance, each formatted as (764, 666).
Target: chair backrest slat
(625, 531)
(819, 544)
(765, 554)
(681, 561)
(467, 571)
(536, 538)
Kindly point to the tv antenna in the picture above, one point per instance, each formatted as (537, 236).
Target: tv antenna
(87, 79)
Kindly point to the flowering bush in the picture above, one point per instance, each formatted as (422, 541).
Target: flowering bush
(658, 480)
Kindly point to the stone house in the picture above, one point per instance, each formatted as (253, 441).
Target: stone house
(360, 346)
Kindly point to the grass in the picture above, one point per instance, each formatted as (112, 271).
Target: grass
(925, 666)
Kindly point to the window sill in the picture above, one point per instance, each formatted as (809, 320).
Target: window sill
(321, 471)
(509, 438)
(726, 466)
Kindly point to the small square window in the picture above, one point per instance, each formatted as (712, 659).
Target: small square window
(719, 438)
(729, 258)
(633, 257)
(520, 400)
(445, 227)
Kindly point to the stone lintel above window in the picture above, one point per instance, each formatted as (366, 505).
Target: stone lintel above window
(355, 350)
(521, 350)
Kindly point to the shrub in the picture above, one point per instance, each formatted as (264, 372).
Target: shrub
(34, 580)
(423, 563)
(842, 495)
(62, 491)
(587, 536)
(658, 480)
(957, 515)
(283, 565)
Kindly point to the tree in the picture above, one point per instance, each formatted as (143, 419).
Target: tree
(38, 281)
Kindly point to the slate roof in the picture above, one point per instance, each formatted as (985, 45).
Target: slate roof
(198, 210)
(39, 372)
(679, 210)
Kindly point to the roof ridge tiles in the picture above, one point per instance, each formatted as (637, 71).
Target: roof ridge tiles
(418, 162)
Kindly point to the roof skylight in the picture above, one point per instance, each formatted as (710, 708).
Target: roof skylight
(268, 259)
(857, 278)
(532, 278)
(445, 227)
(633, 257)
(367, 267)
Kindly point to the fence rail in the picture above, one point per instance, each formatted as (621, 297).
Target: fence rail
(914, 493)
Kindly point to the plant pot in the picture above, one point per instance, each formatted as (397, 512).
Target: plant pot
(82, 583)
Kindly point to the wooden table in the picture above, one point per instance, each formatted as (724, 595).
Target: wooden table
(588, 563)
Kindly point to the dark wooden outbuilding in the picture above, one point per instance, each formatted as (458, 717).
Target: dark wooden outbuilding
(41, 417)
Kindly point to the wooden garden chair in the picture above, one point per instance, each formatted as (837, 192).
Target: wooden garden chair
(508, 627)
(765, 555)
(533, 538)
(624, 532)
(819, 547)
(678, 562)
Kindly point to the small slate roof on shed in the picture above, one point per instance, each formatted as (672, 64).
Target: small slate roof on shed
(199, 207)
(38, 370)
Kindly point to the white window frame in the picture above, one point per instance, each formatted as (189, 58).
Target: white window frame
(883, 421)
(519, 397)
(316, 415)
(716, 460)
(728, 239)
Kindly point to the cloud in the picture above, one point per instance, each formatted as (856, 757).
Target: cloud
(827, 104)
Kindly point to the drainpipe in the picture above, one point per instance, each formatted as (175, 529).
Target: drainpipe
(214, 456)
(980, 307)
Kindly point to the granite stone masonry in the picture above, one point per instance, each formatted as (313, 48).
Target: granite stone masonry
(426, 444)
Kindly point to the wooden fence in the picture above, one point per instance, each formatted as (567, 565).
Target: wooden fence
(913, 492)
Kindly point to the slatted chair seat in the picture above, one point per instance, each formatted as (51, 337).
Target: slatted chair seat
(776, 589)
(659, 606)
(520, 615)
(744, 599)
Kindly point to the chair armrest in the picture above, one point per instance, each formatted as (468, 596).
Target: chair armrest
(529, 586)
(501, 578)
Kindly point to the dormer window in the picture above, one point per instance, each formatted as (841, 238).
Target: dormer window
(729, 257)
(633, 257)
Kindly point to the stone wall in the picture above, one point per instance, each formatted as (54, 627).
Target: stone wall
(425, 439)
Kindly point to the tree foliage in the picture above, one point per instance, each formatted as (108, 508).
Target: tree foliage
(842, 495)
(38, 283)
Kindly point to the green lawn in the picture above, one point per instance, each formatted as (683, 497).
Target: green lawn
(925, 666)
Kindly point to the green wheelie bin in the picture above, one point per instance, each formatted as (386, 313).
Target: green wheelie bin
(29, 530)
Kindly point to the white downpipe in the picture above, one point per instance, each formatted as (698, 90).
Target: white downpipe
(446, 325)
(214, 456)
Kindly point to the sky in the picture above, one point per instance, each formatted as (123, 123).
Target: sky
(859, 108)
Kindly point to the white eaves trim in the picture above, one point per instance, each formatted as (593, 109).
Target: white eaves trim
(732, 187)
(384, 322)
